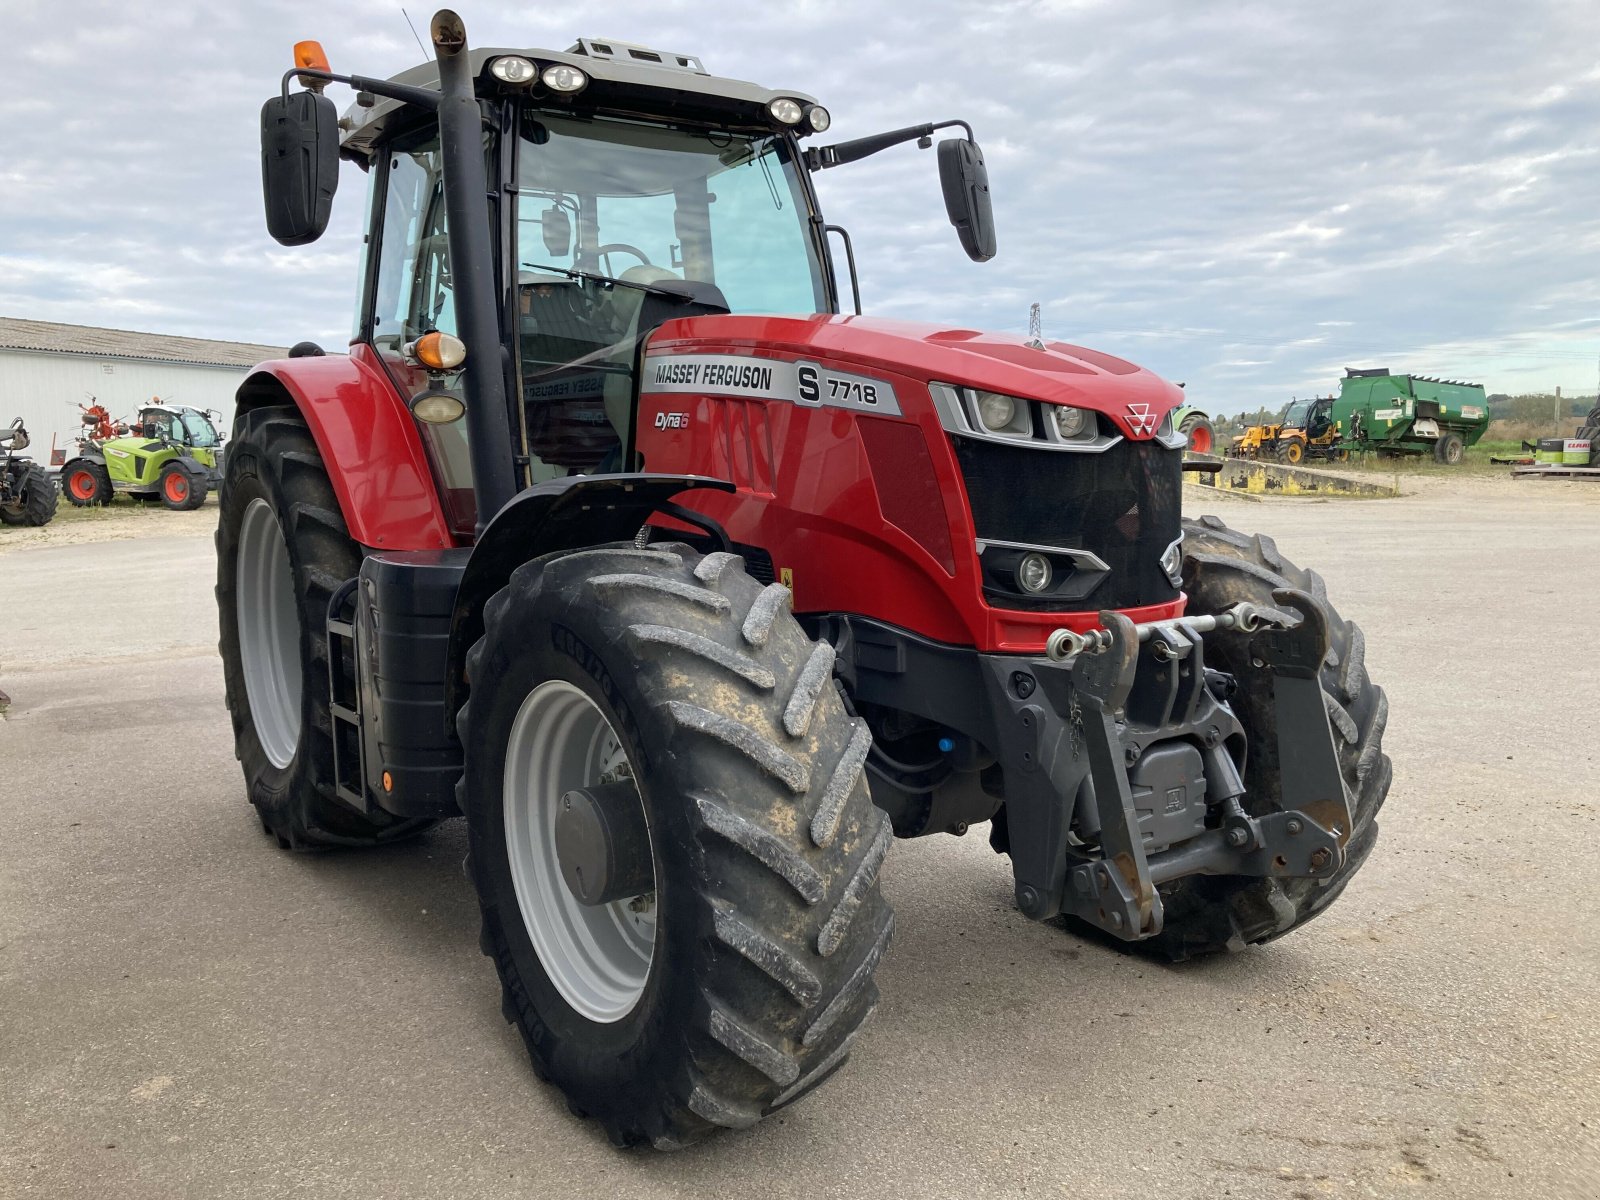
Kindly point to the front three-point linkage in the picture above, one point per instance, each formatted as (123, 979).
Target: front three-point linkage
(1173, 694)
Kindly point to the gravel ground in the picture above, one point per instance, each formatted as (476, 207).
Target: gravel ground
(187, 1011)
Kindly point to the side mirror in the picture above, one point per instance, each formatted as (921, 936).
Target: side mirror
(965, 181)
(557, 229)
(299, 165)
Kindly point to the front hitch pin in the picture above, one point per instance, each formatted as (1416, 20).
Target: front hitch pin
(1064, 644)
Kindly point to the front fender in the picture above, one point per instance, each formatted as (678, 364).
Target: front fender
(369, 445)
(563, 514)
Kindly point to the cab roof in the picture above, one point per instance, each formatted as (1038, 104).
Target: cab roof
(624, 78)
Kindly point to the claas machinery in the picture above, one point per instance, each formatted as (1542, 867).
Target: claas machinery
(171, 453)
(614, 536)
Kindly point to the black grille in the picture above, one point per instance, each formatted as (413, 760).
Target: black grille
(1123, 504)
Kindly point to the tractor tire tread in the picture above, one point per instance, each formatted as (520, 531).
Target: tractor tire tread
(775, 1015)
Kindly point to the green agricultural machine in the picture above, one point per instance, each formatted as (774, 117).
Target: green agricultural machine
(1409, 414)
(173, 453)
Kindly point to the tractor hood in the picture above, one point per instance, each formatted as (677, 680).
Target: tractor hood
(1057, 373)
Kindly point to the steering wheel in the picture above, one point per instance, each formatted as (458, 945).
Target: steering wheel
(609, 248)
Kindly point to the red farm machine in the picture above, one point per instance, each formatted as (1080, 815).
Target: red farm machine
(690, 608)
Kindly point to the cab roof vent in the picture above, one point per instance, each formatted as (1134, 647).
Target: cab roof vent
(642, 56)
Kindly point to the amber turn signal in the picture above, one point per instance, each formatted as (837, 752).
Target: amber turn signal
(308, 56)
(439, 351)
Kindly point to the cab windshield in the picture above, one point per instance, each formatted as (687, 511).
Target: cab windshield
(198, 430)
(1295, 415)
(607, 209)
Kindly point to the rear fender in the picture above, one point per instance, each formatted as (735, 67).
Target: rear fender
(563, 514)
(369, 444)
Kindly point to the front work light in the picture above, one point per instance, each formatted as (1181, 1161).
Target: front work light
(787, 111)
(565, 79)
(817, 117)
(513, 69)
(1033, 573)
(437, 408)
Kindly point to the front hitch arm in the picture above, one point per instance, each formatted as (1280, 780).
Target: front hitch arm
(1305, 838)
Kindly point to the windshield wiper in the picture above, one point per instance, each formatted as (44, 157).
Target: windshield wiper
(676, 293)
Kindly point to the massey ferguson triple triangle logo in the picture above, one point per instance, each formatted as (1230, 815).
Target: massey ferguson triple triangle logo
(1142, 418)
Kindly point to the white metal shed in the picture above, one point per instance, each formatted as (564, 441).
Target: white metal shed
(48, 369)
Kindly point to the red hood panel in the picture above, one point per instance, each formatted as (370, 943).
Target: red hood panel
(1001, 362)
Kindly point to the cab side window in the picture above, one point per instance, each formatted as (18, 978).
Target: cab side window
(415, 292)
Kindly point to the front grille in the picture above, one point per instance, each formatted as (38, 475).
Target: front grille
(1123, 504)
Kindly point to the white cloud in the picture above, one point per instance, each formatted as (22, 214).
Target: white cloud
(1245, 195)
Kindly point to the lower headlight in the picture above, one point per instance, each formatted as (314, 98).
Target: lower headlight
(996, 411)
(437, 408)
(1072, 422)
(1033, 573)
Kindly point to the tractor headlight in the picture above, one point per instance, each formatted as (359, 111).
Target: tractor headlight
(437, 408)
(996, 412)
(787, 111)
(1072, 422)
(817, 117)
(513, 69)
(562, 78)
(1033, 573)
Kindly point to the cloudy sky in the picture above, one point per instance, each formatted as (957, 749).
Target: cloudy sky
(1244, 196)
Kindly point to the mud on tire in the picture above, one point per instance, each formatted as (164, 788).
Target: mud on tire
(766, 844)
(273, 458)
(1206, 914)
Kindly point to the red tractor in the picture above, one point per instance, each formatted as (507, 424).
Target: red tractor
(690, 608)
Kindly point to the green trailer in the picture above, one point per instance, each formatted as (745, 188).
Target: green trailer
(1409, 414)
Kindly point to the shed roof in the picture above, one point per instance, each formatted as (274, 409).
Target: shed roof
(50, 337)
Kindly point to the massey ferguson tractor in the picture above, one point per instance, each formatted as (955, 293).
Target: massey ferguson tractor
(612, 535)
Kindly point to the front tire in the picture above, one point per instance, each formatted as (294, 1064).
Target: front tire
(1206, 914)
(282, 547)
(180, 491)
(765, 845)
(86, 483)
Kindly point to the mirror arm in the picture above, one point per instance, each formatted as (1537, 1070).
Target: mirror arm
(421, 97)
(821, 157)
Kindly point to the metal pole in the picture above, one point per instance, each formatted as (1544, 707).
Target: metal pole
(466, 205)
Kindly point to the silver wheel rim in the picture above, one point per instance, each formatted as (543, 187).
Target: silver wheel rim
(269, 633)
(597, 957)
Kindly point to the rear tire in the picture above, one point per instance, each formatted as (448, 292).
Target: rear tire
(86, 483)
(1206, 914)
(765, 941)
(181, 491)
(297, 551)
(38, 498)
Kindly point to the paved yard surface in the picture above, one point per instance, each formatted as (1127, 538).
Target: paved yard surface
(187, 1011)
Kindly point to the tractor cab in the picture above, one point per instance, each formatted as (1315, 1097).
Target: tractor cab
(627, 187)
(178, 426)
(1313, 417)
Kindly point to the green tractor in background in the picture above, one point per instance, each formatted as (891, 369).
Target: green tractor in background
(172, 453)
